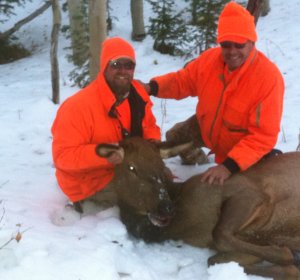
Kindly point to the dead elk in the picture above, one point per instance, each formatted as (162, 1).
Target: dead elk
(253, 217)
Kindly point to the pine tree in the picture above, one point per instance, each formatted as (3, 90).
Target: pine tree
(203, 23)
(167, 27)
(7, 8)
(79, 38)
(80, 73)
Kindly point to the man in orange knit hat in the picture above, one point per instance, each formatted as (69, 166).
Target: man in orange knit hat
(112, 107)
(240, 95)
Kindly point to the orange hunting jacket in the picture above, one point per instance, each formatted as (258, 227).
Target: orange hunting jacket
(239, 114)
(81, 123)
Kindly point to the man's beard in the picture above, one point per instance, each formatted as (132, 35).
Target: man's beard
(120, 91)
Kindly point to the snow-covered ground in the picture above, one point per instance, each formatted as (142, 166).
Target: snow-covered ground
(97, 245)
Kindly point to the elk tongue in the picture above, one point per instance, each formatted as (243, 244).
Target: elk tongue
(159, 221)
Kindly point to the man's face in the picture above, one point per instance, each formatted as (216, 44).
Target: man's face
(235, 54)
(119, 74)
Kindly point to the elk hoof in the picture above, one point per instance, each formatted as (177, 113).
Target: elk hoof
(193, 156)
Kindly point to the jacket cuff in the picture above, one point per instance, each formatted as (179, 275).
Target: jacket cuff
(231, 165)
(153, 88)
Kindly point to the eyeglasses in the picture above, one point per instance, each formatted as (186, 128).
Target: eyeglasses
(227, 45)
(118, 65)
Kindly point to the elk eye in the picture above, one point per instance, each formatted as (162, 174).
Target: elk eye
(132, 169)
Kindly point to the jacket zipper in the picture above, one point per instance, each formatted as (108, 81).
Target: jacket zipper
(222, 78)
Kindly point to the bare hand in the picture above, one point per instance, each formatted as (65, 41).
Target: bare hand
(216, 174)
(115, 158)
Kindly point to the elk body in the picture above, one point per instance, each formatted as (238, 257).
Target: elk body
(253, 217)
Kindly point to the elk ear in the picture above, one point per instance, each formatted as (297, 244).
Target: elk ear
(105, 150)
(168, 149)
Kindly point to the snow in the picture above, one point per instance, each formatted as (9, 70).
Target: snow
(56, 243)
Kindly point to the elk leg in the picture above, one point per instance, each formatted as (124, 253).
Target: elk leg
(225, 257)
(289, 272)
(277, 272)
(186, 131)
(238, 211)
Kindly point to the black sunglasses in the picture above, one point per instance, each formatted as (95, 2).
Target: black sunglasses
(118, 65)
(227, 45)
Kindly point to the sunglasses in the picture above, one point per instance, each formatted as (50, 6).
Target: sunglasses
(118, 65)
(227, 45)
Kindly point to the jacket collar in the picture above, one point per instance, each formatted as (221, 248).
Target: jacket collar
(107, 97)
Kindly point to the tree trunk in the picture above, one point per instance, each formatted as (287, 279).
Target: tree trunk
(254, 7)
(76, 19)
(265, 8)
(53, 51)
(97, 30)
(137, 19)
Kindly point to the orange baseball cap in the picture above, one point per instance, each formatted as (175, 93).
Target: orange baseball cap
(236, 24)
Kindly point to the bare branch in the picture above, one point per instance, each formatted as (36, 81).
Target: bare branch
(16, 237)
(4, 183)
(19, 24)
(6, 243)
(1, 218)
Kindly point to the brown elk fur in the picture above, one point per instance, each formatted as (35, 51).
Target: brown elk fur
(253, 217)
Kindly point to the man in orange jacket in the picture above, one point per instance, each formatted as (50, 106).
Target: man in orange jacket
(240, 95)
(112, 107)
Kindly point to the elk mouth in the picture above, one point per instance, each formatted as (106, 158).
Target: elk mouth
(159, 220)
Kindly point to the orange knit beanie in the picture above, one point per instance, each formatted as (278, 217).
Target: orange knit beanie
(236, 24)
(114, 48)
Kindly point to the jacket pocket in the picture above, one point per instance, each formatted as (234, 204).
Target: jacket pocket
(235, 118)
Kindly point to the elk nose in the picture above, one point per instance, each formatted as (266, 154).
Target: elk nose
(166, 208)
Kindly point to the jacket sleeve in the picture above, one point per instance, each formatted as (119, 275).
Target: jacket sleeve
(264, 125)
(71, 147)
(180, 84)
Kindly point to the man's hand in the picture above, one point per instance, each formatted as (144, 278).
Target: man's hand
(114, 158)
(216, 174)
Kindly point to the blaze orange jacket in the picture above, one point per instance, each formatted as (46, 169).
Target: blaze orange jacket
(239, 114)
(81, 123)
